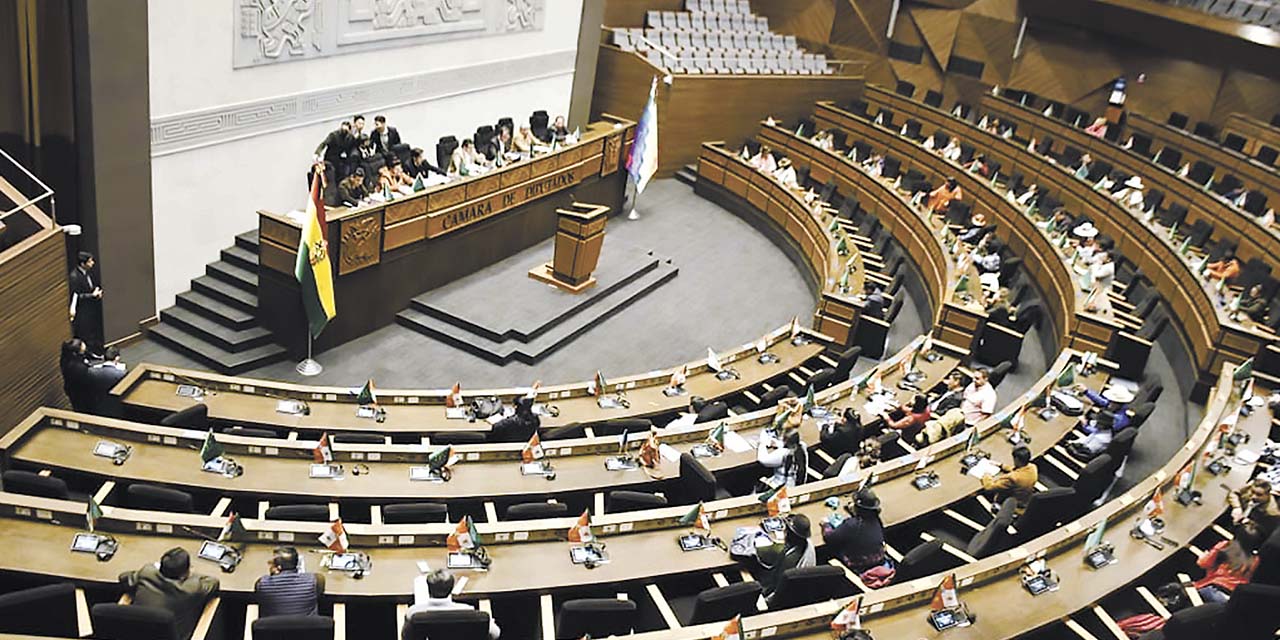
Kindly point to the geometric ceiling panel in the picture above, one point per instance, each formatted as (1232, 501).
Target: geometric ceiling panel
(1005, 10)
(938, 27)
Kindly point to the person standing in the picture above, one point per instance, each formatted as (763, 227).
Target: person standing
(86, 303)
(384, 137)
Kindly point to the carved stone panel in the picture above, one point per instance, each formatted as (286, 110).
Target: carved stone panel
(361, 243)
(271, 31)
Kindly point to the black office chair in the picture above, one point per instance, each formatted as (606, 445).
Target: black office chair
(293, 628)
(872, 335)
(822, 378)
(713, 411)
(1201, 172)
(1152, 200)
(302, 512)
(624, 501)
(597, 617)
(771, 397)
(836, 465)
(358, 438)
(1176, 213)
(1169, 158)
(617, 426)
(1045, 511)
(194, 417)
(858, 108)
(1234, 142)
(933, 99)
(131, 622)
(922, 560)
(1141, 145)
(1267, 155)
(34, 484)
(905, 89)
(1255, 202)
(507, 122)
(1178, 120)
(536, 511)
(1193, 623)
(49, 610)
(999, 372)
(723, 603)
(994, 537)
(1251, 611)
(415, 513)
(799, 587)
(457, 437)
(1030, 315)
(1268, 571)
(444, 151)
(538, 125)
(696, 483)
(1206, 131)
(886, 118)
(845, 362)
(454, 624)
(156, 498)
(250, 432)
(1094, 478)
(1200, 231)
(997, 344)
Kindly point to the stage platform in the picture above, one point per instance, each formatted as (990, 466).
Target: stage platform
(501, 314)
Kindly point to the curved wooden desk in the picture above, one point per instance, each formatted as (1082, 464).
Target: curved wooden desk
(1252, 173)
(991, 587)
(1256, 132)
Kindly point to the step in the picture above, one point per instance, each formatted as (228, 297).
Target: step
(226, 293)
(214, 309)
(241, 257)
(224, 337)
(223, 361)
(238, 276)
(248, 240)
(503, 351)
(688, 174)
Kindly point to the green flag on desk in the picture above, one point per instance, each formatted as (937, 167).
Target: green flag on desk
(1244, 371)
(1185, 247)
(233, 530)
(92, 514)
(211, 448)
(417, 183)
(367, 396)
(809, 401)
(842, 246)
(1068, 376)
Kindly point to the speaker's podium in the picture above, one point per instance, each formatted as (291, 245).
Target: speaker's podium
(579, 237)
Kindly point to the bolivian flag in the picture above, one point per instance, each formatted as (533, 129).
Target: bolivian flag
(313, 270)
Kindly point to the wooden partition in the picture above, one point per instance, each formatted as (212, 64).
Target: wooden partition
(695, 108)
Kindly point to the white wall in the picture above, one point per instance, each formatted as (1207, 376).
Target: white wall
(202, 196)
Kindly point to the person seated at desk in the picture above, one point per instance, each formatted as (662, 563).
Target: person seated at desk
(1085, 166)
(519, 426)
(398, 176)
(1254, 507)
(170, 585)
(74, 365)
(989, 259)
(387, 181)
(976, 230)
(1225, 269)
(560, 131)
(1029, 198)
(466, 161)
(286, 590)
(999, 311)
(874, 165)
(366, 151)
(1131, 194)
(1086, 236)
(502, 145)
(858, 541)
(1056, 223)
(351, 191)
(1112, 416)
(940, 198)
(1252, 305)
(876, 303)
(951, 152)
(795, 552)
(977, 165)
(786, 174)
(1103, 271)
(844, 435)
(908, 420)
(1018, 482)
(979, 400)
(421, 167)
(763, 161)
(1227, 565)
(524, 141)
(787, 458)
(434, 592)
(1098, 129)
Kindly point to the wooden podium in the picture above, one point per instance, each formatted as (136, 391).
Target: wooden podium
(579, 237)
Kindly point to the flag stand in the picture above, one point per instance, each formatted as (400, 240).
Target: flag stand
(631, 194)
(309, 367)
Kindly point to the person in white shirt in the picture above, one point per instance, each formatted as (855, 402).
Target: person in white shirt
(786, 174)
(952, 150)
(763, 160)
(787, 458)
(1103, 271)
(438, 596)
(979, 399)
(1131, 194)
(466, 161)
(1028, 196)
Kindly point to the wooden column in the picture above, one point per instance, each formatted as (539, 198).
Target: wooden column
(579, 237)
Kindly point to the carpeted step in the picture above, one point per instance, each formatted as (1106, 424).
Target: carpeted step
(239, 276)
(227, 338)
(248, 240)
(216, 310)
(226, 362)
(226, 293)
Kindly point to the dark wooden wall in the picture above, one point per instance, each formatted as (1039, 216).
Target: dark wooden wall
(33, 324)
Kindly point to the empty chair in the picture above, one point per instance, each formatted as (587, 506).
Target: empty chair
(293, 628)
(723, 603)
(1169, 157)
(597, 617)
(809, 585)
(1045, 511)
(1267, 155)
(1200, 232)
(1205, 130)
(303, 512)
(924, 559)
(156, 498)
(822, 378)
(994, 537)
(1234, 142)
(415, 513)
(905, 89)
(49, 610)
(1176, 213)
(933, 99)
(1178, 120)
(1094, 478)
(454, 624)
(871, 334)
(34, 484)
(536, 511)
(623, 501)
(772, 396)
(999, 372)
(1141, 144)
(457, 437)
(250, 432)
(121, 622)
(696, 483)
(194, 417)
(1255, 202)
(836, 465)
(845, 362)
(358, 438)
(1201, 172)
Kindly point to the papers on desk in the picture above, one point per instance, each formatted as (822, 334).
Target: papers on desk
(668, 453)
(878, 404)
(290, 407)
(455, 413)
(685, 421)
(984, 468)
(297, 215)
(736, 443)
(434, 179)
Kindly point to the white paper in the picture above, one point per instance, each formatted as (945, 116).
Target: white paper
(455, 413)
(736, 443)
(668, 453)
(984, 468)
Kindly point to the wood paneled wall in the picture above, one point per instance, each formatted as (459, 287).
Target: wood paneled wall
(33, 325)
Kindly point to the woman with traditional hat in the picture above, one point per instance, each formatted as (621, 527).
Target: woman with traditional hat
(858, 541)
(795, 552)
(1131, 194)
(786, 174)
(1112, 417)
(976, 229)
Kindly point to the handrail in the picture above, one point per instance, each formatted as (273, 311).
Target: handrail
(12, 192)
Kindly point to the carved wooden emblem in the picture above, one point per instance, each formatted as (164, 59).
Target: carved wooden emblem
(361, 243)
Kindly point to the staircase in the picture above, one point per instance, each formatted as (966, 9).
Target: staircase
(216, 321)
(688, 174)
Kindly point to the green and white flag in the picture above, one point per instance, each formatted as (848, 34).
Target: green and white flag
(211, 448)
(92, 514)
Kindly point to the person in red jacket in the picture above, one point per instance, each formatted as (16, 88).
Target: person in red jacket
(1227, 565)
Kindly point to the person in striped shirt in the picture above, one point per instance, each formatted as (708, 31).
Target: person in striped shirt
(286, 590)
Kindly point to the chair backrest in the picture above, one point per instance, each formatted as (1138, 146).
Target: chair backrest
(922, 560)
(149, 496)
(1169, 157)
(128, 622)
(1250, 612)
(994, 536)
(1093, 480)
(415, 513)
(1206, 130)
(597, 617)
(809, 585)
(696, 482)
(293, 628)
(772, 396)
(871, 334)
(303, 512)
(1267, 155)
(723, 603)
(250, 432)
(195, 417)
(1234, 142)
(358, 438)
(1122, 444)
(933, 98)
(846, 360)
(623, 501)
(1194, 623)
(458, 437)
(444, 151)
(1045, 509)
(998, 344)
(34, 484)
(49, 610)
(1178, 120)
(836, 465)
(822, 378)
(905, 89)
(454, 624)
(718, 410)
(536, 511)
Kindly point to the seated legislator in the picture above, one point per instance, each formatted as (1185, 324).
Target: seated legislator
(942, 196)
(764, 161)
(952, 150)
(1112, 416)
(503, 145)
(1131, 194)
(999, 311)
(1253, 305)
(979, 400)
(1098, 129)
(420, 166)
(434, 592)
(1254, 507)
(909, 419)
(795, 552)
(1225, 269)
(466, 161)
(518, 427)
(523, 141)
(560, 130)
(787, 458)
(988, 260)
(351, 190)
(1018, 482)
(366, 151)
(287, 590)
(1085, 166)
(1227, 565)
(951, 396)
(170, 585)
(824, 140)
(1029, 198)
(786, 174)
(845, 435)
(858, 541)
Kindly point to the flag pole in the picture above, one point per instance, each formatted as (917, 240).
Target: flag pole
(309, 367)
(635, 197)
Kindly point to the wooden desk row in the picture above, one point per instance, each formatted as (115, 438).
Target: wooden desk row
(1256, 132)
(527, 556)
(277, 468)
(1214, 337)
(1075, 326)
(150, 391)
(991, 587)
(1253, 174)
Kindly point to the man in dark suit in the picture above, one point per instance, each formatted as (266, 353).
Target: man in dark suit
(384, 137)
(419, 165)
(86, 303)
(171, 586)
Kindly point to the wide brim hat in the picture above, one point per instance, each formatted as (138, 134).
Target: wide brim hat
(979, 219)
(785, 162)
(1085, 230)
(867, 501)
(1134, 182)
(1118, 395)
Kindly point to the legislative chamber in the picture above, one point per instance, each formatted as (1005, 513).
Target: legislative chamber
(664, 319)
